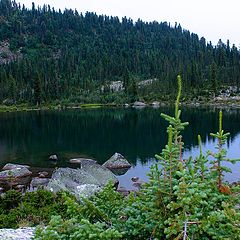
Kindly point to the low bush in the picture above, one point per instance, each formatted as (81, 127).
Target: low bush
(30, 209)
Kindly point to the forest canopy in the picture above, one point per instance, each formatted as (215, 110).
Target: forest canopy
(48, 54)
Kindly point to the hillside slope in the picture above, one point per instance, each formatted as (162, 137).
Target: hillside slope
(66, 55)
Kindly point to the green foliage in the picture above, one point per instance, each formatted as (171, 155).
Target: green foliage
(73, 229)
(30, 209)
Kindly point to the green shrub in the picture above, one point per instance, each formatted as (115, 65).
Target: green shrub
(30, 209)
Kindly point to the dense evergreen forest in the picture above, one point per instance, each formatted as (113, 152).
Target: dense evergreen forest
(49, 55)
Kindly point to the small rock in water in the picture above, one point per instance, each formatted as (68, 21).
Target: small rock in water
(135, 179)
(43, 174)
(53, 158)
(117, 161)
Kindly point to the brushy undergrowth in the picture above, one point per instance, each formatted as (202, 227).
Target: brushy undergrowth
(184, 199)
(31, 209)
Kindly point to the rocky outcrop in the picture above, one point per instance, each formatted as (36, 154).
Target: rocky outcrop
(6, 55)
(82, 182)
(117, 161)
(146, 82)
(10, 166)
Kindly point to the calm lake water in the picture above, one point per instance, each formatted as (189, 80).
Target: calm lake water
(31, 137)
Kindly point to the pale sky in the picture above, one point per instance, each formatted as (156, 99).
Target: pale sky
(213, 19)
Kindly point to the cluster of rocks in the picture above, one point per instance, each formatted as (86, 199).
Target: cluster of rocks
(19, 177)
(87, 179)
(15, 176)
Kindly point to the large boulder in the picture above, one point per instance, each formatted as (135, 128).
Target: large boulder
(117, 161)
(10, 166)
(16, 176)
(15, 173)
(82, 182)
(81, 160)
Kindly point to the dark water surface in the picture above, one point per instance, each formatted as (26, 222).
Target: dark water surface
(31, 137)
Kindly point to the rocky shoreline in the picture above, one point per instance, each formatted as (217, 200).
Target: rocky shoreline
(88, 178)
(220, 102)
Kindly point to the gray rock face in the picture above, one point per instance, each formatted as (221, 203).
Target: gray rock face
(117, 161)
(10, 166)
(83, 182)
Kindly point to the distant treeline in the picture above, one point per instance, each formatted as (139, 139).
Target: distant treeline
(67, 55)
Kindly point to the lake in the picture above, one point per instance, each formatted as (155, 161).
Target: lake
(138, 134)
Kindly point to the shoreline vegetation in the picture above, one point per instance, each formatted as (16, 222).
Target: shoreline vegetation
(25, 107)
